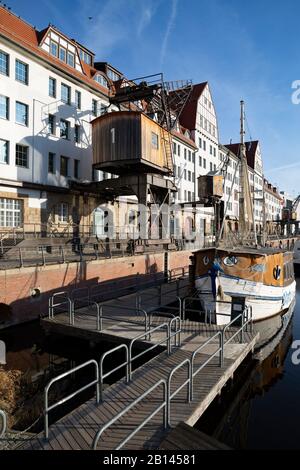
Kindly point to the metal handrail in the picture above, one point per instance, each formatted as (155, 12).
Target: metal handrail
(67, 301)
(135, 310)
(177, 333)
(144, 335)
(188, 382)
(197, 351)
(145, 421)
(4, 423)
(48, 408)
(103, 376)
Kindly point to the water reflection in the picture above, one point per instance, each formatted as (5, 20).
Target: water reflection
(261, 408)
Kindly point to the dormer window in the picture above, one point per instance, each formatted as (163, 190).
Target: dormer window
(113, 75)
(71, 59)
(85, 57)
(101, 80)
(64, 51)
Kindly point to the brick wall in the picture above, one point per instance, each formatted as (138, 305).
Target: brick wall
(16, 285)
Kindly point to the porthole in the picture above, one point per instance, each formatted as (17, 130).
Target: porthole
(206, 260)
(230, 261)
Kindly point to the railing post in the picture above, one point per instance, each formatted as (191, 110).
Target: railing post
(242, 328)
(169, 339)
(21, 258)
(43, 257)
(222, 349)
(63, 254)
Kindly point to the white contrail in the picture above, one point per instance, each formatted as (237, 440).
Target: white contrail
(170, 25)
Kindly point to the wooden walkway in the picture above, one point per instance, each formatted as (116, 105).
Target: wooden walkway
(77, 430)
(184, 437)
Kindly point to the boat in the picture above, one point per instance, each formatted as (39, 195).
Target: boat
(252, 275)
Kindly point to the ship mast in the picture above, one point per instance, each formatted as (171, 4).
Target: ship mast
(246, 219)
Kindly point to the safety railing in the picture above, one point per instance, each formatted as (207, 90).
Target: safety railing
(48, 408)
(110, 372)
(133, 310)
(219, 350)
(188, 382)
(65, 301)
(162, 406)
(184, 308)
(163, 326)
(4, 423)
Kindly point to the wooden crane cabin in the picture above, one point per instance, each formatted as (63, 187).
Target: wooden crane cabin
(130, 142)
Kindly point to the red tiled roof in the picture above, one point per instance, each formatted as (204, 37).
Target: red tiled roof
(20, 32)
(182, 137)
(189, 113)
(251, 148)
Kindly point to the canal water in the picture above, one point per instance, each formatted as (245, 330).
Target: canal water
(259, 409)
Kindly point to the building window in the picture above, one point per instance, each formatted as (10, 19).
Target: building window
(21, 113)
(190, 156)
(78, 99)
(11, 212)
(184, 153)
(65, 93)
(51, 124)
(76, 169)
(87, 58)
(184, 173)
(101, 80)
(4, 63)
(189, 176)
(204, 163)
(4, 107)
(178, 150)
(200, 143)
(4, 151)
(64, 129)
(52, 87)
(204, 145)
(154, 140)
(63, 213)
(71, 59)
(51, 163)
(54, 48)
(62, 54)
(211, 166)
(174, 148)
(21, 72)
(200, 161)
(193, 158)
(77, 133)
(22, 155)
(64, 166)
(95, 108)
(113, 75)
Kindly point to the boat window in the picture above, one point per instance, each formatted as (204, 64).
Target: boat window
(230, 261)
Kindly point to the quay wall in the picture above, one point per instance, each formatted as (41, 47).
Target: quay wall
(24, 292)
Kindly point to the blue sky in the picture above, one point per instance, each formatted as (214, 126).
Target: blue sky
(246, 50)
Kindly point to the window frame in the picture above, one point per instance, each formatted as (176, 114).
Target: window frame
(67, 137)
(65, 159)
(26, 123)
(78, 99)
(7, 108)
(54, 81)
(27, 156)
(68, 88)
(7, 152)
(52, 166)
(6, 74)
(4, 210)
(26, 68)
